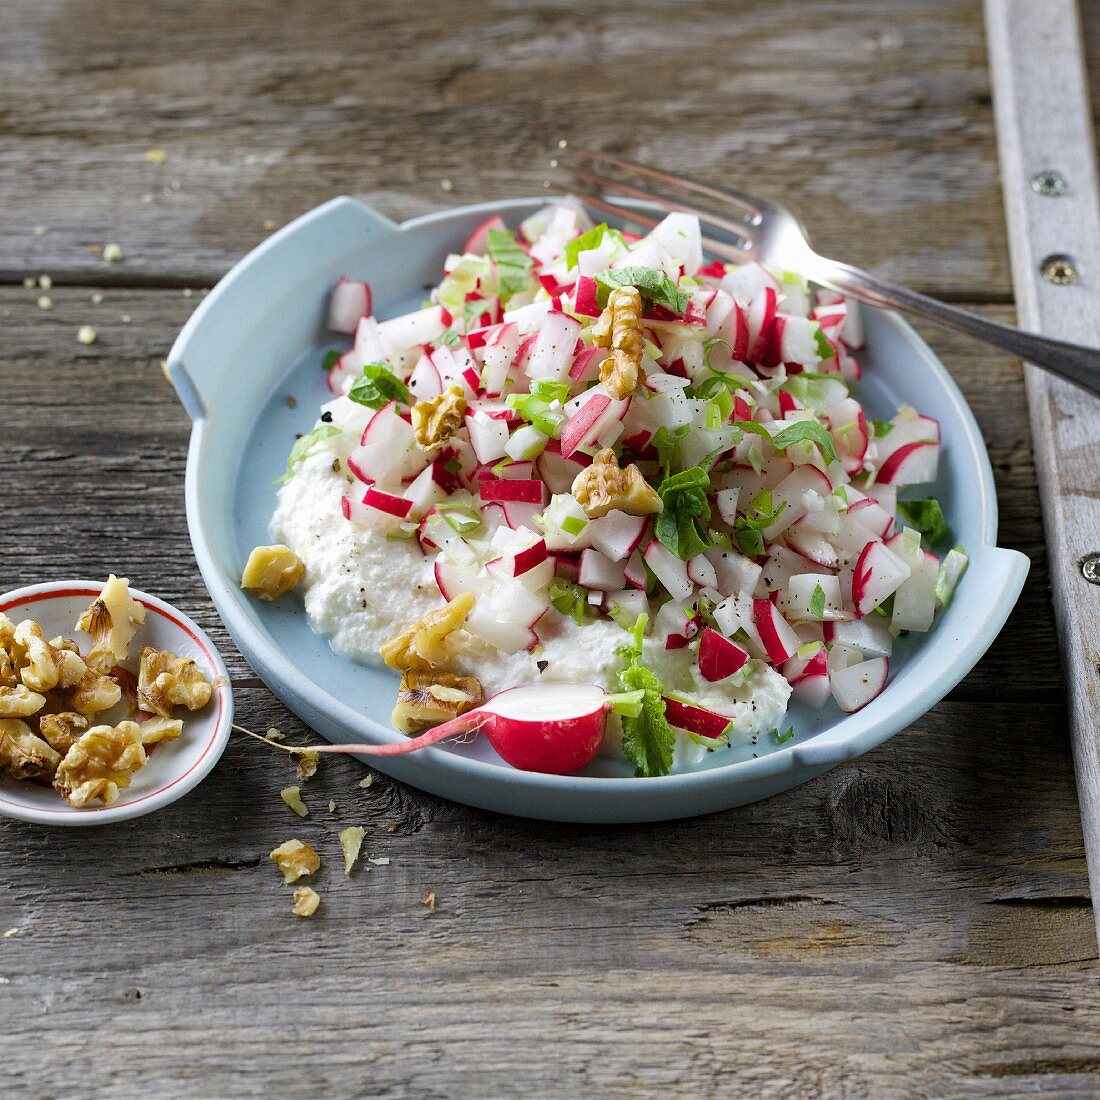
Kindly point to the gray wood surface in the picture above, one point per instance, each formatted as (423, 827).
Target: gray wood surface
(1044, 124)
(916, 923)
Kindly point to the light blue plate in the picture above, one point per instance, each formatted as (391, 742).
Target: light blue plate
(260, 337)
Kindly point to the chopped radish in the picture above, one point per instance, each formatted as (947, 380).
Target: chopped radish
(855, 686)
(617, 534)
(600, 572)
(351, 300)
(911, 464)
(552, 354)
(718, 656)
(779, 640)
(668, 569)
(594, 411)
(698, 720)
(878, 573)
(508, 489)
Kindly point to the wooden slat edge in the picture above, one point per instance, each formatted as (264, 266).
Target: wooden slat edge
(1044, 122)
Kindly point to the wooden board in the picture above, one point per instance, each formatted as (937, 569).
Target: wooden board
(1044, 124)
(916, 923)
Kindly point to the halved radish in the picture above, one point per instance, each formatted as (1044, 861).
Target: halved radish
(565, 734)
(718, 656)
(351, 300)
(856, 685)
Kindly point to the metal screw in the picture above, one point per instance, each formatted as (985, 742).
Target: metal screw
(1090, 568)
(1058, 269)
(1049, 182)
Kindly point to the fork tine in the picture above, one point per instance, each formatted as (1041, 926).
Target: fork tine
(717, 248)
(736, 198)
(737, 229)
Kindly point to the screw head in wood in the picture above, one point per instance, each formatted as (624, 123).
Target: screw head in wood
(1059, 269)
(1049, 182)
(1090, 568)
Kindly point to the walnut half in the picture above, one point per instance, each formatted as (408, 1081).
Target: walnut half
(619, 328)
(603, 486)
(428, 698)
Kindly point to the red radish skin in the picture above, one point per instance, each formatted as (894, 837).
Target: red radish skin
(578, 425)
(719, 657)
(512, 490)
(478, 241)
(567, 735)
(706, 723)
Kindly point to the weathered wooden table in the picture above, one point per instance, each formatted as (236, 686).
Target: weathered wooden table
(914, 923)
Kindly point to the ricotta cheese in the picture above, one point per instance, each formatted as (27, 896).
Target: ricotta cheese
(361, 589)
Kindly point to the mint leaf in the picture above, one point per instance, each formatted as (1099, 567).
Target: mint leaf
(748, 529)
(653, 285)
(592, 239)
(332, 357)
(667, 445)
(882, 428)
(817, 602)
(302, 446)
(927, 517)
(648, 739)
(807, 431)
(513, 264)
(681, 526)
(378, 386)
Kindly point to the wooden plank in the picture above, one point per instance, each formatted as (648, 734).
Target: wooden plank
(1044, 124)
(875, 127)
(781, 948)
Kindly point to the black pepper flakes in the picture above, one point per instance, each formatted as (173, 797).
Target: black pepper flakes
(326, 417)
(542, 666)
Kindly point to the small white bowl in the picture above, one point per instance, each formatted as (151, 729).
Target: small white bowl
(175, 766)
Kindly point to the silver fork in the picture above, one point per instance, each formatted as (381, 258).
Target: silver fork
(764, 231)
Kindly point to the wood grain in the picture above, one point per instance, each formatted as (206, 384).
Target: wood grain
(876, 130)
(916, 923)
(893, 896)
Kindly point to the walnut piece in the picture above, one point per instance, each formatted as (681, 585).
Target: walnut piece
(100, 764)
(603, 486)
(435, 421)
(62, 730)
(292, 796)
(272, 571)
(11, 653)
(424, 644)
(155, 730)
(111, 620)
(24, 755)
(166, 681)
(20, 701)
(44, 665)
(305, 902)
(619, 328)
(295, 858)
(351, 843)
(428, 698)
(94, 693)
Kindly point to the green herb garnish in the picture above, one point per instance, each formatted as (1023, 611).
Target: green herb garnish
(513, 264)
(817, 602)
(332, 357)
(681, 526)
(302, 446)
(927, 517)
(648, 739)
(807, 431)
(378, 386)
(569, 599)
(592, 239)
(748, 529)
(653, 285)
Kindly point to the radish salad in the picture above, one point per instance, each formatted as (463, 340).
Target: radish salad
(639, 471)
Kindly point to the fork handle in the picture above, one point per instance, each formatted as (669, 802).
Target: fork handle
(1072, 362)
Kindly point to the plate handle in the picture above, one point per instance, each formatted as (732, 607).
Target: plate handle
(984, 599)
(337, 226)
